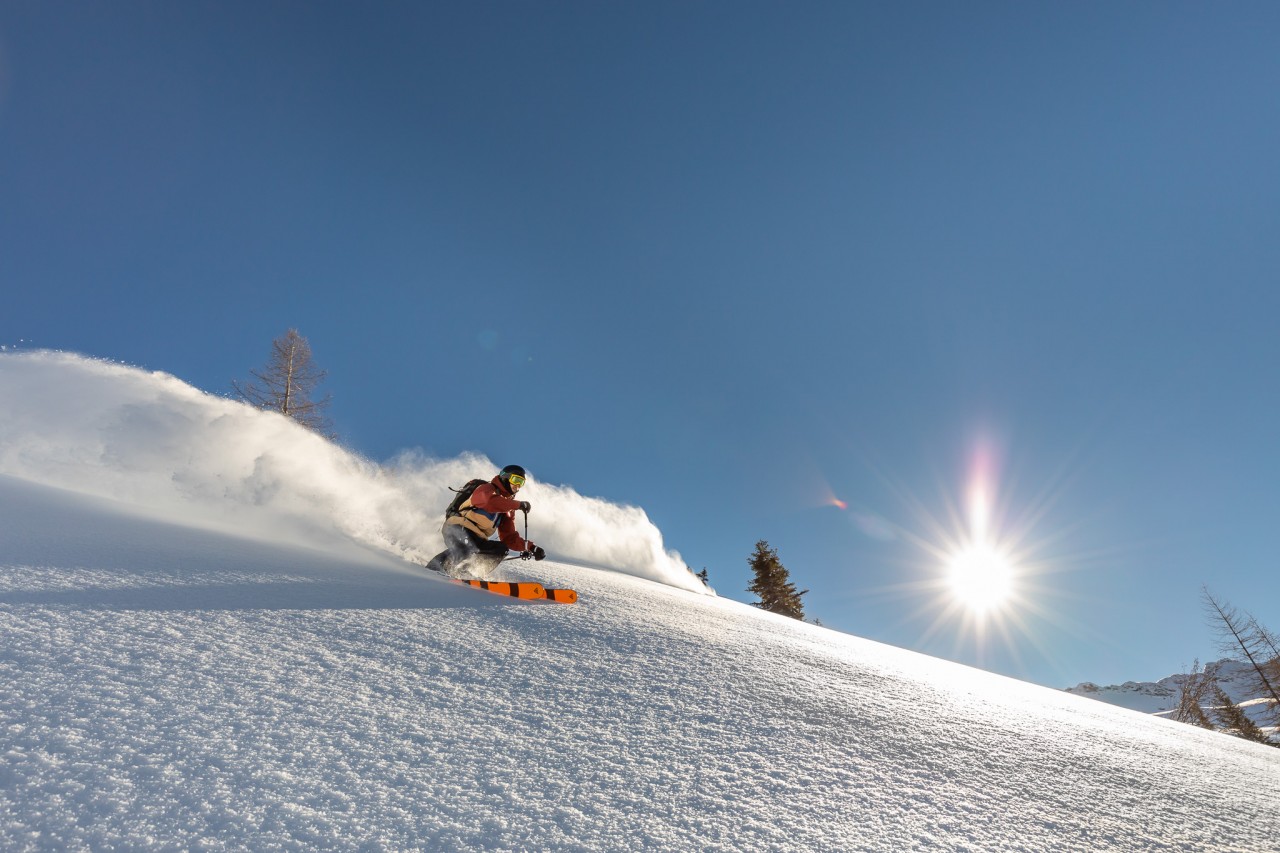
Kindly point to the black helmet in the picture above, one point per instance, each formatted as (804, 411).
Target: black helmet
(512, 472)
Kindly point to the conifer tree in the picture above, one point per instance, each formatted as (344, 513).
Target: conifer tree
(772, 583)
(287, 383)
(1232, 717)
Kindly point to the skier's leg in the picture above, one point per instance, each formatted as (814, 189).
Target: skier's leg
(489, 555)
(460, 543)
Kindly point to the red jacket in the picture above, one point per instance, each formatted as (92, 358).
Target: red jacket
(490, 508)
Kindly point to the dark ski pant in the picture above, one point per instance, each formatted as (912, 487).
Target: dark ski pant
(466, 553)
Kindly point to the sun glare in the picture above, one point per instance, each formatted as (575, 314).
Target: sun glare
(980, 572)
(980, 577)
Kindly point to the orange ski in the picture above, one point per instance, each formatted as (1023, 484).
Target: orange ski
(564, 596)
(525, 590)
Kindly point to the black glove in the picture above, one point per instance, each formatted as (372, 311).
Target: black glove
(525, 507)
(538, 553)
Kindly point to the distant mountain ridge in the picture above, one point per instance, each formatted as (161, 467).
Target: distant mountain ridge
(1161, 697)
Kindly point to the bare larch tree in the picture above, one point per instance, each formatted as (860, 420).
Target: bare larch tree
(1195, 690)
(1241, 633)
(287, 383)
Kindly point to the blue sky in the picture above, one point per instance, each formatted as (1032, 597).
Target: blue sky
(730, 262)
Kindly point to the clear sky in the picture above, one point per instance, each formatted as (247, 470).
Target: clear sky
(816, 273)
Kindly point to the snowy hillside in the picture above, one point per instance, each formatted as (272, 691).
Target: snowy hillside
(204, 654)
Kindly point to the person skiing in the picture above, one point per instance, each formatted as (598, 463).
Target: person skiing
(490, 508)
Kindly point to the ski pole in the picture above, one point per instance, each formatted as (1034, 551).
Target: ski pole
(523, 555)
(527, 552)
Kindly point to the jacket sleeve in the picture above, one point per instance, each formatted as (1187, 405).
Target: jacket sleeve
(509, 536)
(487, 498)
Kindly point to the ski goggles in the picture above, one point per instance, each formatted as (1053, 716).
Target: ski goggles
(515, 480)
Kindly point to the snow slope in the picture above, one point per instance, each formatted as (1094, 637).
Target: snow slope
(174, 675)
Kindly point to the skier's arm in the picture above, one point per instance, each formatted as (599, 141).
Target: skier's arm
(510, 536)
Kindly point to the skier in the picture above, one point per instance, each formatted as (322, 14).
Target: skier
(491, 507)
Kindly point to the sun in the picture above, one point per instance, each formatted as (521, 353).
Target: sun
(980, 577)
(980, 574)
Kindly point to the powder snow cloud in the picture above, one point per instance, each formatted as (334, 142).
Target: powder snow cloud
(153, 441)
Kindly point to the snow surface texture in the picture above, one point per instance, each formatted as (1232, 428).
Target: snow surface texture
(154, 441)
(167, 685)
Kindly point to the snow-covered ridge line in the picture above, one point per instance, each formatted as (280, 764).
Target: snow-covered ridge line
(152, 441)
